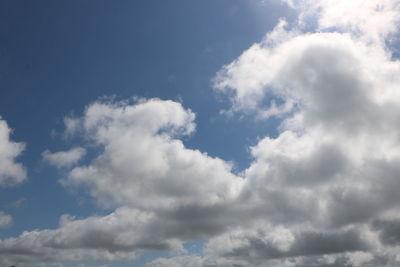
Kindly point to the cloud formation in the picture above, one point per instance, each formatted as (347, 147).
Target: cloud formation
(11, 172)
(167, 191)
(142, 163)
(372, 20)
(323, 192)
(111, 237)
(64, 158)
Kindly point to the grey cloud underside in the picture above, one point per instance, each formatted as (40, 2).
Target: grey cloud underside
(389, 231)
(308, 243)
(324, 192)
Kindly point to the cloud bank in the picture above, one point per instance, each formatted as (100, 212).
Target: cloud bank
(321, 193)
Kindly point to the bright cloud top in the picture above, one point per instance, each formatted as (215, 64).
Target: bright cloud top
(143, 164)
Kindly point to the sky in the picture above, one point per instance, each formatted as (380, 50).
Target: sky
(199, 133)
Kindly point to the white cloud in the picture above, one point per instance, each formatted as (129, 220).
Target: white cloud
(64, 158)
(115, 236)
(321, 193)
(143, 164)
(5, 220)
(373, 20)
(311, 191)
(11, 172)
(169, 190)
(334, 163)
(295, 72)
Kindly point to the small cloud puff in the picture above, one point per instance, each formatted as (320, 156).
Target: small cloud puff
(5, 220)
(62, 159)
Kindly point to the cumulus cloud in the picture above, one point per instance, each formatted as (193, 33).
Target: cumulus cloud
(169, 191)
(333, 166)
(323, 192)
(259, 246)
(143, 164)
(5, 219)
(64, 158)
(11, 172)
(115, 236)
(372, 20)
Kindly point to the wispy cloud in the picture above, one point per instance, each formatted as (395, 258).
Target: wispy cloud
(5, 219)
(64, 158)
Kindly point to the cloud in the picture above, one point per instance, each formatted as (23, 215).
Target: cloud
(115, 236)
(294, 74)
(168, 192)
(266, 245)
(323, 192)
(64, 158)
(5, 220)
(179, 261)
(312, 195)
(143, 164)
(71, 126)
(11, 172)
(332, 169)
(336, 94)
(373, 20)
(389, 231)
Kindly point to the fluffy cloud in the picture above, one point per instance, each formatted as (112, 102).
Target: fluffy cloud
(373, 20)
(169, 192)
(115, 236)
(337, 152)
(11, 172)
(293, 74)
(64, 158)
(334, 165)
(143, 164)
(323, 192)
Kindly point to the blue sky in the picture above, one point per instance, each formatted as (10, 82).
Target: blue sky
(58, 57)
(199, 133)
